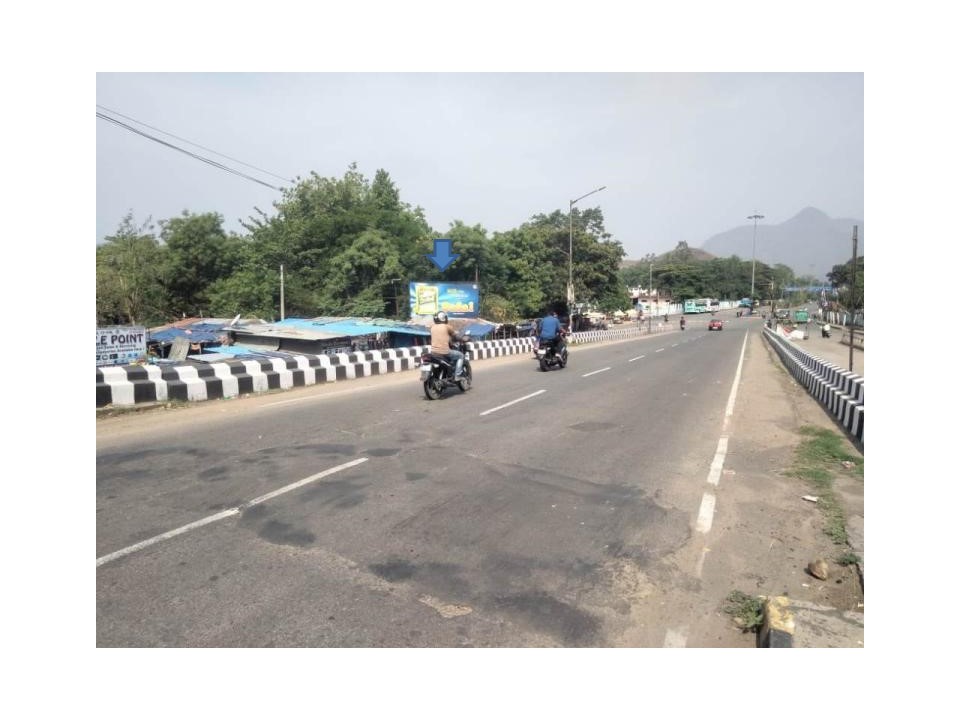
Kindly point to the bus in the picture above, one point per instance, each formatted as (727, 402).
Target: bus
(699, 305)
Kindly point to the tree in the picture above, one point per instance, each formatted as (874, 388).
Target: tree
(128, 289)
(850, 295)
(197, 254)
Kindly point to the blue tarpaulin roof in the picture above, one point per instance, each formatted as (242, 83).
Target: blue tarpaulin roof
(355, 326)
(478, 328)
(198, 332)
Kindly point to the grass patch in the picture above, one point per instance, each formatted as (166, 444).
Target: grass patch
(848, 559)
(820, 457)
(746, 610)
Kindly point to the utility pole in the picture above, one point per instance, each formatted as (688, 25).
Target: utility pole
(853, 291)
(650, 295)
(281, 292)
(753, 272)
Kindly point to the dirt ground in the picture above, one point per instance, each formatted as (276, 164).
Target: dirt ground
(773, 531)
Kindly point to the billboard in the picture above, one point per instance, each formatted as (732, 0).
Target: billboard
(120, 344)
(458, 300)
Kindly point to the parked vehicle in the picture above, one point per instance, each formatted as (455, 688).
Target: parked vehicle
(715, 324)
(436, 373)
(548, 356)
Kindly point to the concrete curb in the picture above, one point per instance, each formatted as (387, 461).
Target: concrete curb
(778, 623)
(789, 623)
(840, 392)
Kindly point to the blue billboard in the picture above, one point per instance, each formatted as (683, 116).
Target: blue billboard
(458, 300)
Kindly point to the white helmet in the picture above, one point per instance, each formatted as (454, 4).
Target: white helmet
(440, 317)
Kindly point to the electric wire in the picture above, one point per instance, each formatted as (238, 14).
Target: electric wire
(140, 122)
(214, 163)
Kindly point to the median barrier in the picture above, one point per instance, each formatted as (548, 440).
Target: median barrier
(194, 381)
(839, 391)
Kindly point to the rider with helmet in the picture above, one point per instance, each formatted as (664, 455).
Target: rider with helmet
(440, 336)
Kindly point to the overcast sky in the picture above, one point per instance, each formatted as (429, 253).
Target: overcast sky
(682, 155)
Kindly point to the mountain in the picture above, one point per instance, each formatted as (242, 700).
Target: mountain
(809, 243)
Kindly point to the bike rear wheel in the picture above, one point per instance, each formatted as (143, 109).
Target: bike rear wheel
(433, 388)
(466, 379)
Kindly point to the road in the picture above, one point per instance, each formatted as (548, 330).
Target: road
(537, 510)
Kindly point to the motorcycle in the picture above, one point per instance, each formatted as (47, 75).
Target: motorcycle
(549, 358)
(683, 323)
(825, 332)
(436, 373)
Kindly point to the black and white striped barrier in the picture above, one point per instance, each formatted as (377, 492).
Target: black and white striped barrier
(838, 390)
(134, 384)
(195, 381)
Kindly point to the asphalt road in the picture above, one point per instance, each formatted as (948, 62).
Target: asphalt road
(536, 510)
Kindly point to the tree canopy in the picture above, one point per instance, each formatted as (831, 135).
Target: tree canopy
(349, 246)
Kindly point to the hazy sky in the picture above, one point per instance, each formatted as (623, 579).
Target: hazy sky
(682, 155)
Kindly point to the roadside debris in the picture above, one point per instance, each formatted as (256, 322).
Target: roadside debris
(819, 569)
(810, 498)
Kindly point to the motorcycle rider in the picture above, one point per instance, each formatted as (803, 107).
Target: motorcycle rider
(551, 332)
(441, 335)
(825, 330)
(683, 323)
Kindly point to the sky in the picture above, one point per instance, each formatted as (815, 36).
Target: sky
(682, 156)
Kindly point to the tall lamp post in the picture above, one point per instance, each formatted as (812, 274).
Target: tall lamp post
(753, 272)
(570, 296)
(650, 295)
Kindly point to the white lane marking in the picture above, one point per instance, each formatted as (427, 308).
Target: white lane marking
(731, 401)
(705, 518)
(675, 344)
(676, 638)
(512, 402)
(698, 572)
(716, 467)
(224, 514)
(595, 372)
(661, 349)
(638, 357)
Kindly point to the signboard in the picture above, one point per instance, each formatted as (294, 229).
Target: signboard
(120, 344)
(458, 300)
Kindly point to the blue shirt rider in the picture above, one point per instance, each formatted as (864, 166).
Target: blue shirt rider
(550, 331)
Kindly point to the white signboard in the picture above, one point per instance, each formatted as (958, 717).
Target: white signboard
(120, 344)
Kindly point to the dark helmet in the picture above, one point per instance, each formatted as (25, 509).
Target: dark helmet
(440, 317)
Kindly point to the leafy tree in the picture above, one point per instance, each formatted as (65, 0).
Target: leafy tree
(840, 278)
(197, 253)
(360, 276)
(128, 290)
(498, 308)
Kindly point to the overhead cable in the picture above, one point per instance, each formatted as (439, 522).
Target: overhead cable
(214, 163)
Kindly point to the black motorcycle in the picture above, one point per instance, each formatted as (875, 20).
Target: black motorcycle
(548, 356)
(436, 373)
(824, 332)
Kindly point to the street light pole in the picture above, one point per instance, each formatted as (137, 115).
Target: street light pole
(650, 295)
(570, 295)
(753, 272)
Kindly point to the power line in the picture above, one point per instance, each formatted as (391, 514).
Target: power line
(214, 163)
(139, 122)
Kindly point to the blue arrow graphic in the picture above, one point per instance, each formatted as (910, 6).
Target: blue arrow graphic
(442, 257)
